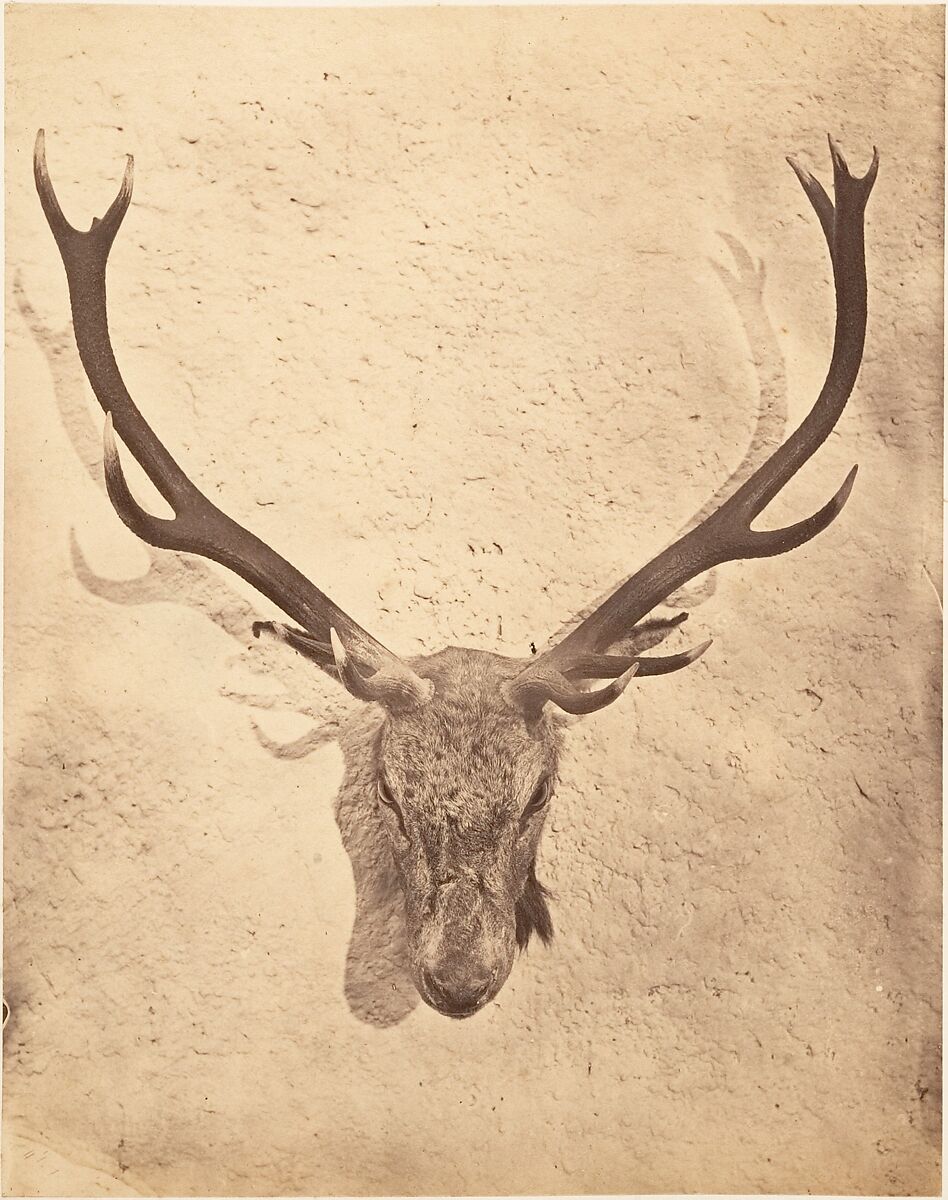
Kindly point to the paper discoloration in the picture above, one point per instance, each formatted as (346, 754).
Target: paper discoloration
(448, 330)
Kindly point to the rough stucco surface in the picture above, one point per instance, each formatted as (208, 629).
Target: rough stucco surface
(439, 304)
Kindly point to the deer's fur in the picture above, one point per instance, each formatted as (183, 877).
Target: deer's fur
(462, 770)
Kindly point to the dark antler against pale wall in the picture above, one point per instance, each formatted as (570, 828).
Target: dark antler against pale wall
(467, 755)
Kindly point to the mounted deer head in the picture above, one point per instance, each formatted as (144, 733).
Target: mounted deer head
(467, 754)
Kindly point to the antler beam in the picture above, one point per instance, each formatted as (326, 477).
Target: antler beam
(198, 526)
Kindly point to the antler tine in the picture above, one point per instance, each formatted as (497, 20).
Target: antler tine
(198, 526)
(726, 535)
(529, 693)
(608, 666)
(396, 688)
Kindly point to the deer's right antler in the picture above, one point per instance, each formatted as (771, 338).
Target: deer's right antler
(198, 526)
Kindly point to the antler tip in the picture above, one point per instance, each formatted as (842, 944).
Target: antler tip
(128, 177)
(119, 206)
(870, 176)
(836, 153)
(807, 179)
(843, 494)
(625, 679)
(40, 170)
(108, 440)
(338, 649)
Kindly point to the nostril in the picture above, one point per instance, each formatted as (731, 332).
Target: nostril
(460, 993)
(435, 986)
(480, 988)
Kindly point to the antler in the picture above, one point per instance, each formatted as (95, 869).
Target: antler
(726, 535)
(198, 526)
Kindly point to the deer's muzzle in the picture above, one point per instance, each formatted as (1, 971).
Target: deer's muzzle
(464, 951)
(459, 990)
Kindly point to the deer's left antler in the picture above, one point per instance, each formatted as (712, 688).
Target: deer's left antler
(726, 535)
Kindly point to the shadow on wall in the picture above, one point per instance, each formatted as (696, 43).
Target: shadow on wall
(378, 987)
(745, 286)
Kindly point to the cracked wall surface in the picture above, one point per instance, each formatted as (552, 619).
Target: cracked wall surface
(469, 312)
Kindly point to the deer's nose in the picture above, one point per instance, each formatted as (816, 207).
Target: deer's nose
(458, 993)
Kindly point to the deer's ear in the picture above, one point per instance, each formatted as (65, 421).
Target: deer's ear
(302, 642)
(646, 635)
(532, 911)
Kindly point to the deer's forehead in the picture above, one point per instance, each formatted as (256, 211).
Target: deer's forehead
(463, 748)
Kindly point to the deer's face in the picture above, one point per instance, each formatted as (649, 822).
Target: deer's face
(463, 787)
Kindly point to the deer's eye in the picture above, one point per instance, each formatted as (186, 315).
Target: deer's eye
(386, 798)
(538, 801)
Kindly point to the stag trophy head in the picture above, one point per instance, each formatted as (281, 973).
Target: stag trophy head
(466, 756)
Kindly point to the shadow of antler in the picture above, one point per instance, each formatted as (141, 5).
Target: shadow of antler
(169, 577)
(745, 285)
(377, 986)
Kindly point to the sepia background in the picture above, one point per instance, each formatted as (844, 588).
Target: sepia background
(468, 312)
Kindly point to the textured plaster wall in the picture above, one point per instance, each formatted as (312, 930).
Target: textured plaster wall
(438, 303)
